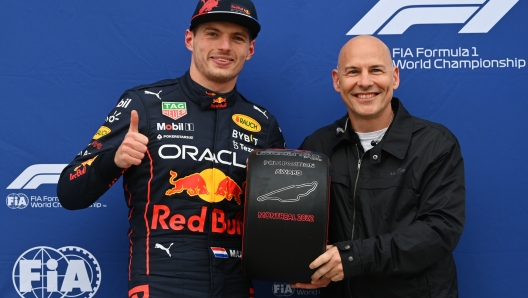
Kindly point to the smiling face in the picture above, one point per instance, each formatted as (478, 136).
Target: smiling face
(365, 77)
(219, 51)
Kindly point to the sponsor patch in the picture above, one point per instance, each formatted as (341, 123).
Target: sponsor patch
(103, 131)
(219, 103)
(240, 9)
(174, 110)
(246, 122)
(123, 103)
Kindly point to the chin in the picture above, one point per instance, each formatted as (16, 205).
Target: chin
(221, 78)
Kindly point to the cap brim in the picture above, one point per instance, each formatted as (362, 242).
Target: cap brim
(225, 16)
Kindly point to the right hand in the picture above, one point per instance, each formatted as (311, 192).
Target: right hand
(329, 268)
(133, 148)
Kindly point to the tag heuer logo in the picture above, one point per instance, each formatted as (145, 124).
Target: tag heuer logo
(174, 110)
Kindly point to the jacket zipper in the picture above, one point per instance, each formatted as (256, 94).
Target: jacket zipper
(360, 158)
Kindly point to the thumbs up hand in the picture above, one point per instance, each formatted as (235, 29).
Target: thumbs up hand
(134, 145)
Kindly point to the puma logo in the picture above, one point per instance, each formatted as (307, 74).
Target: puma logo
(263, 112)
(152, 93)
(163, 248)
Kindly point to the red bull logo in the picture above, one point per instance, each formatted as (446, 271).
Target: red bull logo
(162, 218)
(240, 9)
(78, 172)
(210, 185)
(208, 5)
(194, 185)
(219, 103)
(229, 189)
(219, 100)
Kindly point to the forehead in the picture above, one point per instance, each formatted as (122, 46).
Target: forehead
(364, 53)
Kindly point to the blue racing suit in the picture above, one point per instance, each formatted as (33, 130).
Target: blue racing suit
(186, 198)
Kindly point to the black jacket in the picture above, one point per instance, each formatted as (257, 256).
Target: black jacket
(402, 203)
(186, 198)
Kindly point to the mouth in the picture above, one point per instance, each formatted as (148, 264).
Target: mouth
(365, 96)
(222, 60)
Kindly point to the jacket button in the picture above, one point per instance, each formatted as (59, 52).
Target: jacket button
(347, 247)
(375, 157)
(351, 259)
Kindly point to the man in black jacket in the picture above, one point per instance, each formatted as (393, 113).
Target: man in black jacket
(397, 205)
(181, 146)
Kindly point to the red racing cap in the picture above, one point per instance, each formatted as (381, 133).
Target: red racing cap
(240, 12)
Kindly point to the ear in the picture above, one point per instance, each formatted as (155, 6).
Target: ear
(395, 78)
(335, 78)
(189, 37)
(251, 51)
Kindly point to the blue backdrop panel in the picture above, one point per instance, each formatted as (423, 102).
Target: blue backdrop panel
(64, 64)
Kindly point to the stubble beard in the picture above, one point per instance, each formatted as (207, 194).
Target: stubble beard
(216, 75)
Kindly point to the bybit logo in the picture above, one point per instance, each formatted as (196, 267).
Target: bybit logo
(396, 16)
(35, 175)
(45, 272)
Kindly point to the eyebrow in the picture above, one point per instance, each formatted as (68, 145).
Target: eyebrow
(371, 66)
(237, 33)
(210, 28)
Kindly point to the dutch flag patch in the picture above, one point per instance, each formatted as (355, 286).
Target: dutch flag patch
(219, 252)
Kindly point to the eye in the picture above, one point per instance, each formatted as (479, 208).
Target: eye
(239, 38)
(211, 33)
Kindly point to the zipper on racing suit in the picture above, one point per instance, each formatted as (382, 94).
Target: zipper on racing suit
(360, 159)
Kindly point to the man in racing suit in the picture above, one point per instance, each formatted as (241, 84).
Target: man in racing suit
(181, 146)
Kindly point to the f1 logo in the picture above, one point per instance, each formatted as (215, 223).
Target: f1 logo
(35, 175)
(396, 16)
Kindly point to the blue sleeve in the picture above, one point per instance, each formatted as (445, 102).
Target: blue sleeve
(93, 171)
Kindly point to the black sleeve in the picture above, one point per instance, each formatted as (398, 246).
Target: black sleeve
(303, 145)
(93, 171)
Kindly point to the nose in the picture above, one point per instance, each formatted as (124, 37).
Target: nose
(364, 80)
(224, 43)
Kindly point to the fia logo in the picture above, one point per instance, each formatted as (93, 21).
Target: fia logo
(45, 272)
(17, 201)
(281, 289)
(396, 16)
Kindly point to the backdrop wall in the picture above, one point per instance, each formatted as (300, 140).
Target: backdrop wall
(64, 64)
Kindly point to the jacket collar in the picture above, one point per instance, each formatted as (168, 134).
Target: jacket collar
(398, 137)
(205, 98)
(340, 133)
(396, 140)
